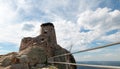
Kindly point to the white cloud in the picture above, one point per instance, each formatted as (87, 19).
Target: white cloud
(65, 9)
(112, 38)
(14, 33)
(98, 21)
(7, 13)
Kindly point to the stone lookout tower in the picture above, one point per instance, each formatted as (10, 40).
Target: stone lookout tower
(47, 42)
(48, 30)
(49, 37)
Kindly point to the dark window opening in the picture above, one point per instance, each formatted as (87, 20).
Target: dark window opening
(42, 39)
(45, 32)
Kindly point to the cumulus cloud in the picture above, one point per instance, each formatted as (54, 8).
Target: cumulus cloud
(17, 32)
(76, 24)
(98, 22)
(7, 11)
(112, 38)
(36, 10)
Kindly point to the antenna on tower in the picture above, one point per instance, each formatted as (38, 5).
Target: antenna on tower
(71, 47)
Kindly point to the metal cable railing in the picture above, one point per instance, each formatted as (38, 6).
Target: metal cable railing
(90, 49)
(89, 65)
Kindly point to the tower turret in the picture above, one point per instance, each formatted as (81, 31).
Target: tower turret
(48, 30)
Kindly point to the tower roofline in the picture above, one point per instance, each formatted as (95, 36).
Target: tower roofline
(47, 24)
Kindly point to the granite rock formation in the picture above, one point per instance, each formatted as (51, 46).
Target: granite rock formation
(35, 52)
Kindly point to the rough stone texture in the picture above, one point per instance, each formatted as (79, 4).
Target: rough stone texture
(33, 55)
(19, 66)
(6, 60)
(35, 52)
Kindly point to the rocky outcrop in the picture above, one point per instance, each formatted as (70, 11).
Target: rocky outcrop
(35, 52)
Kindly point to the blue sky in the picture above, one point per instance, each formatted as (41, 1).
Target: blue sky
(81, 23)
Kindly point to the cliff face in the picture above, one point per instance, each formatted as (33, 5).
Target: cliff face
(35, 52)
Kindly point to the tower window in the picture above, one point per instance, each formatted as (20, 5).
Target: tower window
(45, 31)
(42, 39)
